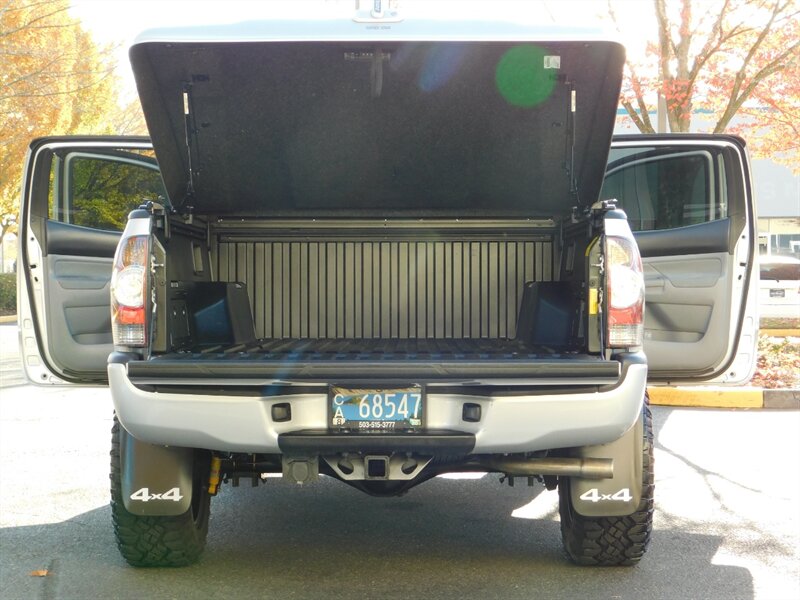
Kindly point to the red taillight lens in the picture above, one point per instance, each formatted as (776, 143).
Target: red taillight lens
(624, 292)
(129, 292)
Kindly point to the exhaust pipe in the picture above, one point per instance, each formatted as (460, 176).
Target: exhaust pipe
(586, 468)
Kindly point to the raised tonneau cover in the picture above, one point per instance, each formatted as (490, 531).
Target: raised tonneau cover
(259, 118)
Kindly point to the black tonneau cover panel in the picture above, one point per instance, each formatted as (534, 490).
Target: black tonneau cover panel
(421, 361)
(465, 128)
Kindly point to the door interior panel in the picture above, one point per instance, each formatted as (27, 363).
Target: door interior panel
(687, 310)
(87, 325)
(79, 314)
(76, 273)
(677, 322)
(699, 272)
(78, 291)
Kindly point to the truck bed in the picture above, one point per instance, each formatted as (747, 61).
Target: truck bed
(375, 301)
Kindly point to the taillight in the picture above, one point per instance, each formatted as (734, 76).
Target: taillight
(624, 292)
(129, 283)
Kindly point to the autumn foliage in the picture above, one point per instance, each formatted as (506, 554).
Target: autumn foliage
(54, 80)
(738, 61)
(778, 363)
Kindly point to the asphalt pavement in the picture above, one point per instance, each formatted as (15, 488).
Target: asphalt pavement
(727, 522)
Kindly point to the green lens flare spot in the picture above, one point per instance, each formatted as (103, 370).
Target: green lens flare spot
(521, 77)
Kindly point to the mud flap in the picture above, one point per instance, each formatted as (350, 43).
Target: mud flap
(620, 495)
(156, 480)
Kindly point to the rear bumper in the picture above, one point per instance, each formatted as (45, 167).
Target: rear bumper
(509, 423)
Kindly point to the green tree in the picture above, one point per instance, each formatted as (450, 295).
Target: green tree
(104, 191)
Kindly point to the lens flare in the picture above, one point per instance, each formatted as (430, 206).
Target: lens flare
(521, 77)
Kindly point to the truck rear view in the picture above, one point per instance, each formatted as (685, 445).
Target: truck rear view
(381, 256)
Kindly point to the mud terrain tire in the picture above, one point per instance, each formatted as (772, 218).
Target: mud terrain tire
(611, 541)
(147, 541)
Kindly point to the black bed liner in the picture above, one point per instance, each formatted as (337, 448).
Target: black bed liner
(420, 360)
(393, 348)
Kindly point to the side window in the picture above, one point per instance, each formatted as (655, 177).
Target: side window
(99, 190)
(660, 188)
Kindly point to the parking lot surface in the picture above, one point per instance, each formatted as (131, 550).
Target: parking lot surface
(727, 522)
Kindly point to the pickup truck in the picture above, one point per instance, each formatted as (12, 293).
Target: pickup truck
(382, 250)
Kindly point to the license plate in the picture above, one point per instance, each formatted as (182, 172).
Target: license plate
(779, 293)
(395, 409)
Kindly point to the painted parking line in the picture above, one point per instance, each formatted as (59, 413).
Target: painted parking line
(787, 399)
(707, 398)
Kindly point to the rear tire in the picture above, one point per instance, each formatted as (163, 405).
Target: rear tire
(611, 541)
(146, 541)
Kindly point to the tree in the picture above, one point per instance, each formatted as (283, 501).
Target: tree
(129, 119)
(732, 58)
(54, 80)
(105, 191)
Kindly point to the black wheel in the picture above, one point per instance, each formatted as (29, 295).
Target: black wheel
(611, 541)
(159, 541)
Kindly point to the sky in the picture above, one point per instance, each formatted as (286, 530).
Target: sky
(118, 22)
